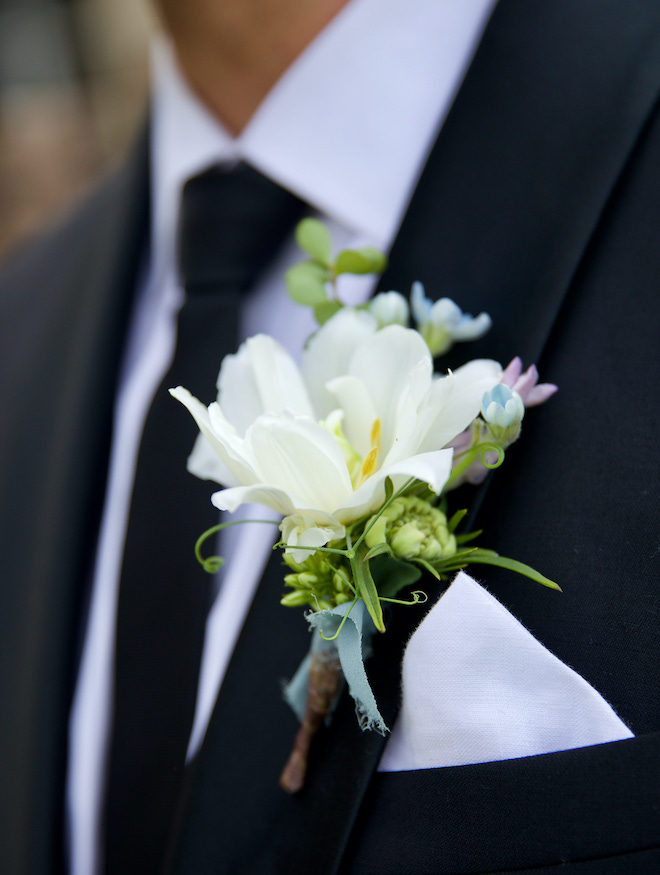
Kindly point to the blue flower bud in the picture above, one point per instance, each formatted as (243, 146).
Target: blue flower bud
(503, 409)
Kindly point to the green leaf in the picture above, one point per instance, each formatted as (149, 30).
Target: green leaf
(456, 518)
(488, 557)
(376, 258)
(468, 536)
(389, 488)
(325, 310)
(393, 575)
(351, 261)
(378, 550)
(312, 236)
(366, 588)
(305, 283)
(428, 567)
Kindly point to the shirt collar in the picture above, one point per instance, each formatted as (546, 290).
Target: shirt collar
(347, 127)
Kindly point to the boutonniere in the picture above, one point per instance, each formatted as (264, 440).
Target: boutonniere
(358, 449)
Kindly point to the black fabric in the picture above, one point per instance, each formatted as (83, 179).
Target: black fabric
(491, 816)
(64, 307)
(232, 221)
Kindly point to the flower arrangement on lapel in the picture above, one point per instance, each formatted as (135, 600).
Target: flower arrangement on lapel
(357, 449)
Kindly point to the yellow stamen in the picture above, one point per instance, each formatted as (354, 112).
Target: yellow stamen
(370, 460)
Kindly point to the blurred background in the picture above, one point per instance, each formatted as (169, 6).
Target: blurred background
(73, 86)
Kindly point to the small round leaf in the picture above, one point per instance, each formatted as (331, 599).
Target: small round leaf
(305, 283)
(350, 261)
(376, 258)
(312, 236)
(324, 311)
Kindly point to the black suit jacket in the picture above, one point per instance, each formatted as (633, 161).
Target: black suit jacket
(541, 204)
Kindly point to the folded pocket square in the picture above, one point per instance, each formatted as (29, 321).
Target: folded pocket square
(477, 686)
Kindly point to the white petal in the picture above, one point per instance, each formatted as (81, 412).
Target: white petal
(432, 468)
(359, 412)
(303, 530)
(396, 368)
(328, 352)
(453, 403)
(470, 329)
(446, 314)
(205, 463)
(300, 456)
(260, 493)
(261, 378)
(221, 441)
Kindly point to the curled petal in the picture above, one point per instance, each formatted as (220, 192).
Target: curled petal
(222, 441)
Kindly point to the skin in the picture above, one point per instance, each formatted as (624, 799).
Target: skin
(234, 51)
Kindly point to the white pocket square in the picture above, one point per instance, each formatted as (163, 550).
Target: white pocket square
(477, 686)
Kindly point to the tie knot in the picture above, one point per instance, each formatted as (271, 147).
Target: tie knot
(232, 222)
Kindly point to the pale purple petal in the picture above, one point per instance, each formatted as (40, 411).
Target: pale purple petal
(540, 393)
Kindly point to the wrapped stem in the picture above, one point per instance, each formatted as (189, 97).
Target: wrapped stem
(325, 678)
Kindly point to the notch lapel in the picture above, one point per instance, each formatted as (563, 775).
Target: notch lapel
(63, 340)
(500, 220)
(547, 115)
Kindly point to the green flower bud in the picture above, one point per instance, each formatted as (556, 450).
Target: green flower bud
(414, 529)
(406, 541)
(320, 581)
(296, 599)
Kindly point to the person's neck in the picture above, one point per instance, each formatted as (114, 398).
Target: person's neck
(233, 52)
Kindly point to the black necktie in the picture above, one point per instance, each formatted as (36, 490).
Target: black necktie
(232, 223)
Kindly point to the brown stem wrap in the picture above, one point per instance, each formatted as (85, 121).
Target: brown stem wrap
(325, 677)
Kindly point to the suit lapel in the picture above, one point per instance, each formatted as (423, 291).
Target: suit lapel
(500, 220)
(529, 154)
(54, 460)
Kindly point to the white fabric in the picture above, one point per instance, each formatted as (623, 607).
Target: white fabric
(477, 686)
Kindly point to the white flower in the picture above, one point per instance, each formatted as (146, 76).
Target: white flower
(442, 323)
(317, 443)
(389, 308)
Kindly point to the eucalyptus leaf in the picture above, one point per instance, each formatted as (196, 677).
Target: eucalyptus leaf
(351, 261)
(305, 283)
(325, 310)
(376, 258)
(312, 236)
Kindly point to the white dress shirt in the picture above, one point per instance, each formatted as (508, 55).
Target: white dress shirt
(347, 128)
